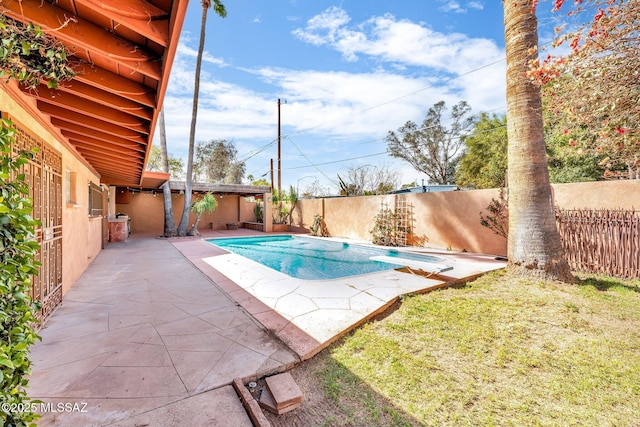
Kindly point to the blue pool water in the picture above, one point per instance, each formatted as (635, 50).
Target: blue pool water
(314, 259)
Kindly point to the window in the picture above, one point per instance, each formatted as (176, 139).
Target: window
(70, 187)
(95, 199)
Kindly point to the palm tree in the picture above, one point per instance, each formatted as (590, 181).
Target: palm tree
(219, 9)
(534, 246)
(169, 221)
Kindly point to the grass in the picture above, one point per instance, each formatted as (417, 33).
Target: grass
(499, 351)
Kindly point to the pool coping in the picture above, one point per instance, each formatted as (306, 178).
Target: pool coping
(308, 318)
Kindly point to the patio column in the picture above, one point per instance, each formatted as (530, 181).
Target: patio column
(267, 216)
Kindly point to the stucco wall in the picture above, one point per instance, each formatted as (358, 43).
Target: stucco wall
(81, 237)
(443, 220)
(622, 194)
(452, 219)
(147, 212)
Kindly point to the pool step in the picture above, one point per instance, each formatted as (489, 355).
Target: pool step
(430, 267)
(281, 394)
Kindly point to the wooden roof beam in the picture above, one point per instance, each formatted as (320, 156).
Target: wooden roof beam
(107, 163)
(101, 163)
(59, 113)
(92, 132)
(88, 146)
(137, 15)
(103, 143)
(97, 111)
(101, 97)
(108, 81)
(80, 34)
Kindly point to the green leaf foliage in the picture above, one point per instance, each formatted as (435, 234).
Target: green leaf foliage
(17, 264)
(431, 147)
(484, 164)
(30, 56)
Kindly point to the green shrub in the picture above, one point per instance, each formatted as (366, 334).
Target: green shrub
(319, 228)
(18, 248)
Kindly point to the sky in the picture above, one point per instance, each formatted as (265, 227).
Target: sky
(347, 72)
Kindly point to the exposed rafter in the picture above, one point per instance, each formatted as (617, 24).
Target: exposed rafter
(122, 52)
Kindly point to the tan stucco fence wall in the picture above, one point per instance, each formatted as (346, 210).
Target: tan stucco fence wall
(447, 220)
(146, 211)
(452, 219)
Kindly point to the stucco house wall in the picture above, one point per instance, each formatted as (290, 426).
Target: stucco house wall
(81, 235)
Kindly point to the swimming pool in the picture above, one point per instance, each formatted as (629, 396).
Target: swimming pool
(314, 259)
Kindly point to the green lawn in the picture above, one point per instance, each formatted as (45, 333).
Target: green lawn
(499, 351)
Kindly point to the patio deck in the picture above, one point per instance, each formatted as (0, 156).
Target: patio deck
(155, 331)
(144, 338)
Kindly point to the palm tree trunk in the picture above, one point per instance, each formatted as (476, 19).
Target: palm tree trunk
(169, 221)
(184, 220)
(534, 246)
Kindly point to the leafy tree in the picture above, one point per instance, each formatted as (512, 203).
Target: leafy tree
(368, 180)
(567, 161)
(432, 148)
(260, 182)
(534, 246)
(484, 162)
(220, 10)
(315, 189)
(235, 173)
(206, 203)
(594, 90)
(155, 162)
(216, 162)
(284, 203)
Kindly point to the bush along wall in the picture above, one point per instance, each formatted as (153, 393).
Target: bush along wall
(18, 249)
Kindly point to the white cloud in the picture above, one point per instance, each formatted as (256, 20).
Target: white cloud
(456, 7)
(389, 40)
(341, 113)
(452, 6)
(185, 50)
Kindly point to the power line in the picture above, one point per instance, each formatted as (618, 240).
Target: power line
(310, 162)
(302, 131)
(335, 161)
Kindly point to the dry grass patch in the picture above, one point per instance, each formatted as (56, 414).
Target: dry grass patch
(500, 351)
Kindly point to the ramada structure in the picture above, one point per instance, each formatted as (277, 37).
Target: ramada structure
(94, 132)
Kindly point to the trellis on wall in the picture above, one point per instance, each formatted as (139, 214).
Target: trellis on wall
(393, 223)
(44, 177)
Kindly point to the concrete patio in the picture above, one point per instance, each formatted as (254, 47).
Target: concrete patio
(155, 331)
(144, 338)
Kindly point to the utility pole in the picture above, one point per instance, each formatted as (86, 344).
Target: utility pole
(279, 159)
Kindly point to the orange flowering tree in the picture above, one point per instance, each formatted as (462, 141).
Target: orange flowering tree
(593, 90)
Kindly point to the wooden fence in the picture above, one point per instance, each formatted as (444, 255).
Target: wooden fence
(601, 241)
